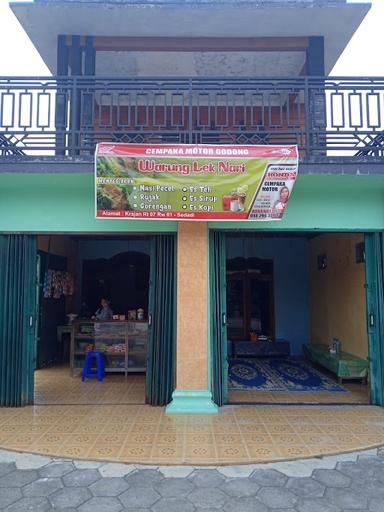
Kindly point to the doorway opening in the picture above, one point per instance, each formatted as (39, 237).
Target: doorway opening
(296, 318)
(75, 273)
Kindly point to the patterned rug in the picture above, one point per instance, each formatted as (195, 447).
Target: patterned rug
(277, 374)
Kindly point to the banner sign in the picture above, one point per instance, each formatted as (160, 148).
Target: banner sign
(194, 182)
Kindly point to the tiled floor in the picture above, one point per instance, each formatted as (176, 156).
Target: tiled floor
(106, 421)
(56, 386)
(144, 434)
(356, 394)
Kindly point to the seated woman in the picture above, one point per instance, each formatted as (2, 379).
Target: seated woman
(105, 312)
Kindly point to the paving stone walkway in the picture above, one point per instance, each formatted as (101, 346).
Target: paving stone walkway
(344, 483)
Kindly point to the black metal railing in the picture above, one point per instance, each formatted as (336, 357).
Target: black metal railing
(67, 116)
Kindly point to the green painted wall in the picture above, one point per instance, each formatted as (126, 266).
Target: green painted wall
(60, 203)
(327, 202)
(65, 203)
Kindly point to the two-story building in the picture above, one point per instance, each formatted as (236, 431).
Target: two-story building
(208, 72)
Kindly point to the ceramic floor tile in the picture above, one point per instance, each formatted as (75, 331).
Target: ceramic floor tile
(51, 450)
(228, 439)
(253, 429)
(108, 451)
(93, 428)
(4, 436)
(140, 439)
(167, 454)
(107, 439)
(232, 452)
(334, 429)
(54, 439)
(22, 439)
(135, 453)
(305, 428)
(280, 428)
(56, 385)
(116, 428)
(199, 437)
(330, 449)
(171, 428)
(369, 440)
(256, 439)
(143, 434)
(311, 440)
(145, 428)
(204, 429)
(169, 439)
(294, 451)
(73, 451)
(286, 439)
(203, 451)
(82, 439)
(263, 452)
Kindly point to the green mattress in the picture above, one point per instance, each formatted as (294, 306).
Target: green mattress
(343, 364)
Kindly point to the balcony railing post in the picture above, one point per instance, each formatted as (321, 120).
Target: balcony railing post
(308, 119)
(190, 112)
(88, 95)
(74, 121)
(343, 117)
(61, 95)
(61, 115)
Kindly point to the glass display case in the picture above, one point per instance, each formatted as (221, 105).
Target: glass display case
(124, 344)
(137, 346)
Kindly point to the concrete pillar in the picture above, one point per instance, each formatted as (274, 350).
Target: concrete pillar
(192, 394)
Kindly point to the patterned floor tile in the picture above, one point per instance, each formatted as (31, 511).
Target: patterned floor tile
(167, 453)
(142, 434)
(169, 439)
(107, 451)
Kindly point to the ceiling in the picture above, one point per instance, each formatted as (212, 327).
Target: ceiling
(336, 21)
(199, 64)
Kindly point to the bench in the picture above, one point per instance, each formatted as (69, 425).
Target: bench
(259, 348)
(343, 364)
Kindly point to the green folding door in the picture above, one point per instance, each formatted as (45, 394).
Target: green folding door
(18, 269)
(162, 320)
(374, 265)
(218, 328)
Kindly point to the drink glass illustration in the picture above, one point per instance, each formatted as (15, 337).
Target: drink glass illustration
(227, 202)
(235, 203)
(242, 197)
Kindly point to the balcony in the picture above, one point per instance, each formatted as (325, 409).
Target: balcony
(63, 118)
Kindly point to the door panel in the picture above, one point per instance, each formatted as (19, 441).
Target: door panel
(162, 321)
(374, 268)
(218, 315)
(18, 269)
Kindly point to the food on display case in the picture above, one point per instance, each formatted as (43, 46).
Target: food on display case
(123, 343)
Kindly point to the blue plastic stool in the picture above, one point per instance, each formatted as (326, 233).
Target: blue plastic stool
(87, 369)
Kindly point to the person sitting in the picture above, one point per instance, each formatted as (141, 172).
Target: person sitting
(105, 312)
